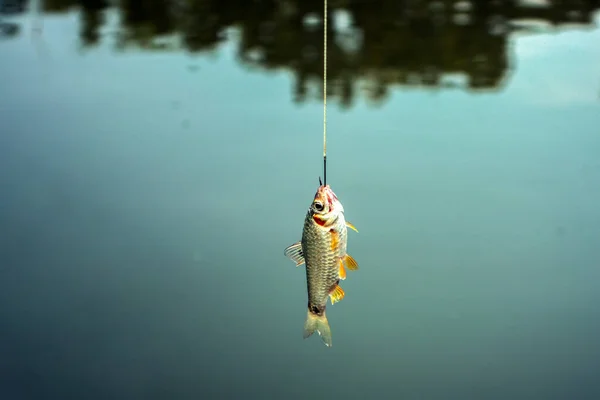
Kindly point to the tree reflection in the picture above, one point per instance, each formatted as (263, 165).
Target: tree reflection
(383, 42)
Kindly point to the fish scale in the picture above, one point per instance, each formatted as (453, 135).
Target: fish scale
(322, 260)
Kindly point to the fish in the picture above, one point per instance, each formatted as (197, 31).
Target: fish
(322, 250)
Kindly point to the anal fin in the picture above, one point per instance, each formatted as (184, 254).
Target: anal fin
(350, 262)
(336, 294)
(294, 253)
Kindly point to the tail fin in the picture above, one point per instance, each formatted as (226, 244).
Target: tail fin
(318, 323)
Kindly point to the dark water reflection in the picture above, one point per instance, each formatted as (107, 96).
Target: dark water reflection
(157, 157)
(379, 43)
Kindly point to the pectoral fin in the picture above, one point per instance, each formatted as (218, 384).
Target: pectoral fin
(350, 262)
(294, 253)
(336, 294)
(349, 225)
(335, 240)
(342, 271)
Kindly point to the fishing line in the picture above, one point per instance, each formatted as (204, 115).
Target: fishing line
(325, 95)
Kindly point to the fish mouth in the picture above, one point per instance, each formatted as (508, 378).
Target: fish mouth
(327, 194)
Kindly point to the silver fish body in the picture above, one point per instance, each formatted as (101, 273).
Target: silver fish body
(323, 251)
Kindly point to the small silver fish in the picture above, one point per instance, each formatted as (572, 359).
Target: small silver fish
(323, 250)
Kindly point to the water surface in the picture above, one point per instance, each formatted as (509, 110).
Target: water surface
(152, 171)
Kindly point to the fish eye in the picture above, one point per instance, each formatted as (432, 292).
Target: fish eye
(318, 206)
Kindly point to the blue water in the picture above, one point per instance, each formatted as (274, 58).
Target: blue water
(146, 197)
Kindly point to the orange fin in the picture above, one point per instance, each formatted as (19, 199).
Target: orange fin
(294, 253)
(349, 225)
(350, 262)
(335, 240)
(336, 294)
(342, 271)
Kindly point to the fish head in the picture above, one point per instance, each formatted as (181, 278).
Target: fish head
(326, 205)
